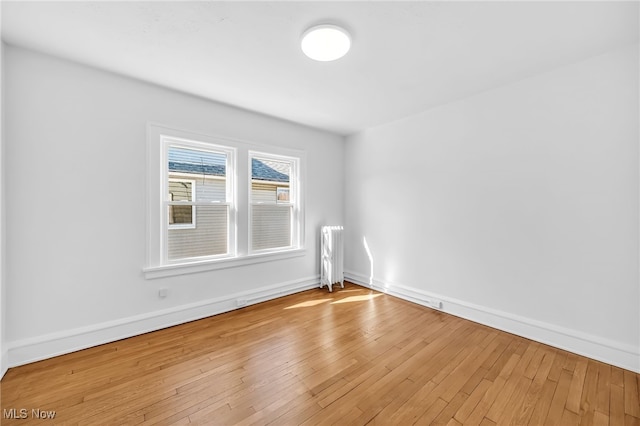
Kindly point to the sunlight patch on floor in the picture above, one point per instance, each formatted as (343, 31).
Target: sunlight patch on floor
(357, 298)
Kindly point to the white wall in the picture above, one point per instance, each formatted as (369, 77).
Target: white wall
(75, 259)
(517, 207)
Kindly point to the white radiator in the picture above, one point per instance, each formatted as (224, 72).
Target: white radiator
(331, 256)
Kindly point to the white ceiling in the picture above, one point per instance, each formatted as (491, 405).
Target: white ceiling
(406, 57)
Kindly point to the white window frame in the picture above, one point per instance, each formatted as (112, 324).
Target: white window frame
(230, 153)
(239, 255)
(191, 225)
(294, 197)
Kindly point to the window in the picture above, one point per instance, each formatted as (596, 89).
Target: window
(181, 216)
(199, 200)
(273, 202)
(217, 203)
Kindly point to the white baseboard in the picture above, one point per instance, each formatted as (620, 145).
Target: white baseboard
(595, 347)
(47, 346)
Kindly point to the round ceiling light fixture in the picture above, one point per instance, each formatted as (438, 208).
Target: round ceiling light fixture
(325, 42)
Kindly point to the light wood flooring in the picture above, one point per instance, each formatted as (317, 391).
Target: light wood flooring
(349, 357)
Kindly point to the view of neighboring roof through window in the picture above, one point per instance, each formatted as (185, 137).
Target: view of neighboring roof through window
(270, 170)
(198, 162)
(211, 163)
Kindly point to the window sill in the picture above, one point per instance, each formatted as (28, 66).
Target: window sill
(153, 272)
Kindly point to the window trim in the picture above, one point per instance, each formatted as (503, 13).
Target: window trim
(162, 271)
(156, 266)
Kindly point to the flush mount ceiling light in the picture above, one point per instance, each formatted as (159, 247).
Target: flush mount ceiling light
(325, 42)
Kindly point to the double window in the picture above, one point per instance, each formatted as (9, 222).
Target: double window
(219, 201)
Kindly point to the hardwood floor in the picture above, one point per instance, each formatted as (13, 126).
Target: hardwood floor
(350, 357)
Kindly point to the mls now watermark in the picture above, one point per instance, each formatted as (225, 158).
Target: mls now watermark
(23, 413)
